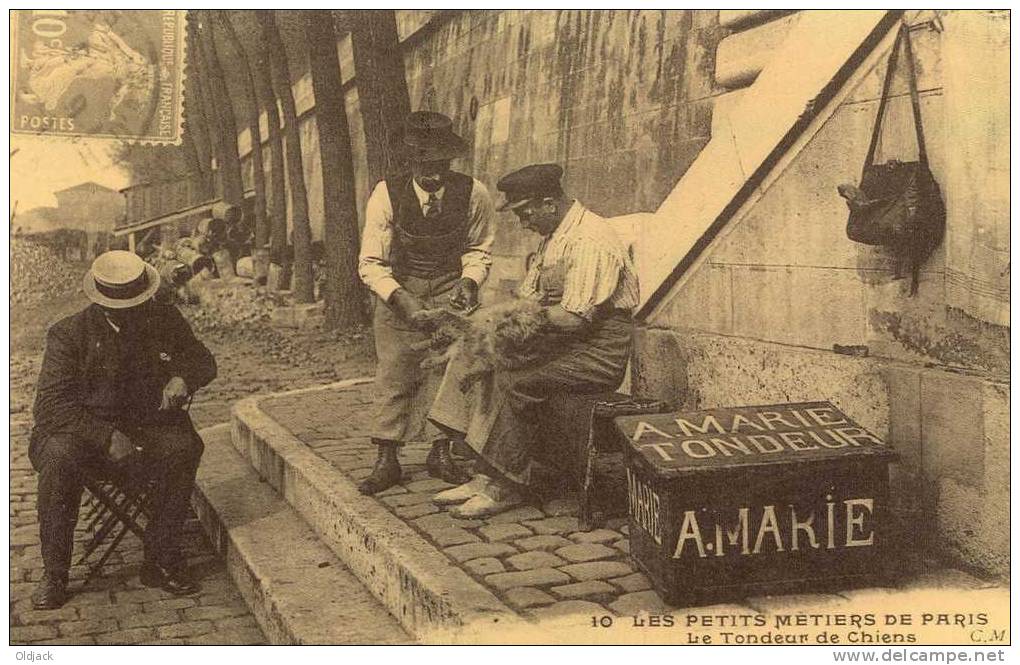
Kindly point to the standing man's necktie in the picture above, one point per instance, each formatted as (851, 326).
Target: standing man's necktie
(433, 206)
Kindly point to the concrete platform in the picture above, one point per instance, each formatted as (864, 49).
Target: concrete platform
(526, 576)
(298, 590)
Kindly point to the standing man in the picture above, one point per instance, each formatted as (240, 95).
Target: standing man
(427, 243)
(113, 382)
(585, 279)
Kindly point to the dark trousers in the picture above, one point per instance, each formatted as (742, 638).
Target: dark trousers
(170, 455)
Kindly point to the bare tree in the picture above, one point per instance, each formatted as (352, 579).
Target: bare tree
(196, 135)
(303, 287)
(277, 180)
(203, 105)
(230, 165)
(343, 291)
(382, 89)
(258, 171)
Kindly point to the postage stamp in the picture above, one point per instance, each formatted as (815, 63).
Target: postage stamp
(102, 74)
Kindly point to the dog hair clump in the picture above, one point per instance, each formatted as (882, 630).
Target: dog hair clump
(497, 338)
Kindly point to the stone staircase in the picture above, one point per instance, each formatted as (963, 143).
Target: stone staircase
(295, 530)
(318, 563)
(299, 591)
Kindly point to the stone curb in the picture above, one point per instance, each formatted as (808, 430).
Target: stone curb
(294, 585)
(433, 599)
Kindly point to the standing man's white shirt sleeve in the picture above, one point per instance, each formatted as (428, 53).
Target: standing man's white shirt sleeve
(377, 239)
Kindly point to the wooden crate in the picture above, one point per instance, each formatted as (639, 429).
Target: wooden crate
(729, 503)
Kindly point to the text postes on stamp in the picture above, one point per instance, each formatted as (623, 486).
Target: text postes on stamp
(109, 74)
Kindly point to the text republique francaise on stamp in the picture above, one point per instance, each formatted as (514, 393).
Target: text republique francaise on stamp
(98, 74)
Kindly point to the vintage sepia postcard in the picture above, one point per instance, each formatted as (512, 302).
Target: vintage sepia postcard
(681, 327)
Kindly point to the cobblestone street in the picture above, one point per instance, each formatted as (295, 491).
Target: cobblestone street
(534, 557)
(116, 608)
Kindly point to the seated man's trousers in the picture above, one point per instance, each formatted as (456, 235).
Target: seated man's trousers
(497, 414)
(170, 454)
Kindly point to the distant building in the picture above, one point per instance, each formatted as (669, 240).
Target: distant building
(90, 207)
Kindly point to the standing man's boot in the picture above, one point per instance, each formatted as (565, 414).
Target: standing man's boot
(440, 464)
(51, 592)
(386, 473)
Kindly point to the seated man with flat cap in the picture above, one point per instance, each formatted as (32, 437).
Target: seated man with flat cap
(114, 380)
(584, 277)
(427, 243)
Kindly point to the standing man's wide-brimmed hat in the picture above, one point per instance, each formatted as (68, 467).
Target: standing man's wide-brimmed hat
(119, 280)
(429, 137)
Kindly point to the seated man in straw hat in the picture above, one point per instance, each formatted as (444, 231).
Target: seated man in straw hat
(427, 243)
(113, 382)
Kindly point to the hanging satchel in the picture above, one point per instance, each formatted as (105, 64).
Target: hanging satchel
(898, 205)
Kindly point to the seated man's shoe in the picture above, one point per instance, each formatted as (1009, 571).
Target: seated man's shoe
(50, 593)
(386, 473)
(461, 493)
(494, 498)
(440, 464)
(173, 578)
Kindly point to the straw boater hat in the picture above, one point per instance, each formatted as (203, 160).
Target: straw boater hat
(429, 137)
(119, 279)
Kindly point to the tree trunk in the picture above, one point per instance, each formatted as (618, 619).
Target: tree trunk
(230, 168)
(277, 179)
(382, 89)
(190, 150)
(205, 104)
(345, 300)
(196, 133)
(258, 171)
(303, 287)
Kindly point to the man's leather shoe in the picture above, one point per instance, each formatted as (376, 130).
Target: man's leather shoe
(50, 593)
(172, 579)
(386, 473)
(440, 464)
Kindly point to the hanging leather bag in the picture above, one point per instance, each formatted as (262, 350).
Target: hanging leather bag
(899, 205)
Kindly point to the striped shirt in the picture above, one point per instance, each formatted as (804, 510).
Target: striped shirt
(581, 265)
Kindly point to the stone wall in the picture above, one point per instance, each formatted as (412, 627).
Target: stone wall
(784, 307)
(622, 99)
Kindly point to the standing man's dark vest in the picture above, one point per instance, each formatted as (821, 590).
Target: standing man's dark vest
(429, 248)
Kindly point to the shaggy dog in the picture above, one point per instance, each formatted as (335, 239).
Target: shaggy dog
(500, 337)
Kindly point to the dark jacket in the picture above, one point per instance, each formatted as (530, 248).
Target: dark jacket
(94, 379)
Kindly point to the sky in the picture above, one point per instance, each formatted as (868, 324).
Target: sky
(45, 165)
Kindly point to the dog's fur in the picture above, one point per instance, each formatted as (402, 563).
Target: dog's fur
(498, 338)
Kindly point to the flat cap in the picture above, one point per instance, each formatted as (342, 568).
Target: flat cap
(531, 182)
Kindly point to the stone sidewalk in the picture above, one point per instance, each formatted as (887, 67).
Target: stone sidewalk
(116, 608)
(534, 558)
